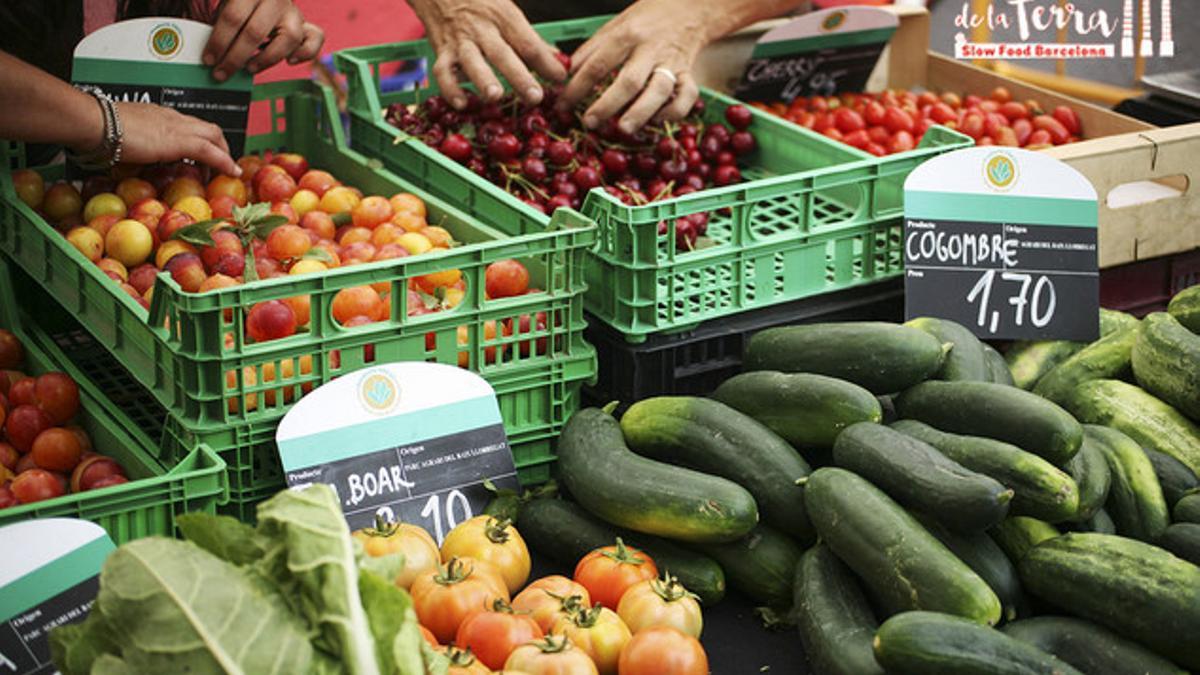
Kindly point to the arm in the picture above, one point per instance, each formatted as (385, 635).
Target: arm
(467, 35)
(40, 108)
(257, 34)
(652, 35)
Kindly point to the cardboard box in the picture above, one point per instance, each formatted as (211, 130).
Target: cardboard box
(1117, 150)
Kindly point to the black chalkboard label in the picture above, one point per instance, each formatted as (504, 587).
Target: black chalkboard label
(25, 638)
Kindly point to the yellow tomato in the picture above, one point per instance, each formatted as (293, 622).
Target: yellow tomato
(661, 602)
(552, 655)
(492, 540)
(412, 541)
(597, 632)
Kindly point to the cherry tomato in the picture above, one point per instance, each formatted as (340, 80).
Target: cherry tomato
(663, 651)
(411, 541)
(833, 133)
(446, 596)
(552, 655)
(495, 541)
(1001, 95)
(609, 571)
(972, 125)
(1014, 111)
(927, 98)
(942, 113)
(879, 135)
(35, 485)
(901, 142)
(1068, 118)
(989, 106)
(971, 101)
(549, 597)
(1040, 137)
(599, 633)
(661, 602)
(493, 635)
(1023, 128)
(951, 99)
(897, 119)
(463, 662)
(847, 120)
(876, 149)
(1058, 132)
(875, 113)
(822, 122)
(985, 141)
(1007, 137)
(505, 279)
(857, 139)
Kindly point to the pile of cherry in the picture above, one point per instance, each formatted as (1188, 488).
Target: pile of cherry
(546, 158)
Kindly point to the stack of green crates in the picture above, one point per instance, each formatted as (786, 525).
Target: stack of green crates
(813, 215)
(190, 351)
(155, 494)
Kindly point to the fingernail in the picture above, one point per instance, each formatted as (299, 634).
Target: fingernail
(458, 102)
(494, 91)
(627, 127)
(533, 94)
(237, 171)
(219, 75)
(209, 59)
(590, 121)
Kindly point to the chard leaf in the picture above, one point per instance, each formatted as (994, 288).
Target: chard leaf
(386, 566)
(177, 608)
(308, 553)
(393, 624)
(227, 538)
(76, 647)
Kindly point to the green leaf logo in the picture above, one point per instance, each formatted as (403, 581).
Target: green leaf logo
(1000, 172)
(378, 392)
(165, 41)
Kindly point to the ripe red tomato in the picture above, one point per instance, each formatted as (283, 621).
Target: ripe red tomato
(902, 141)
(505, 279)
(857, 139)
(36, 485)
(663, 651)
(942, 113)
(847, 120)
(493, 635)
(1058, 132)
(446, 596)
(550, 597)
(927, 98)
(1014, 111)
(833, 133)
(876, 149)
(608, 572)
(875, 113)
(897, 119)
(972, 125)
(1007, 137)
(1069, 119)
(1023, 128)
(879, 135)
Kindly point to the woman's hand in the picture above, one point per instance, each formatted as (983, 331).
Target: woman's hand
(467, 35)
(654, 43)
(153, 134)
(257, 34)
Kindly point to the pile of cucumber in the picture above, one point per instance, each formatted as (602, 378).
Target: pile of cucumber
(914, 501)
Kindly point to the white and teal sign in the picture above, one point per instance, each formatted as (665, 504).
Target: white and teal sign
(1004, 242)
(157, 60)
(819, 54)
(49, 576)
(407, 441)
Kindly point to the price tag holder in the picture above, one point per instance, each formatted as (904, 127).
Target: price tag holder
(819, 54)
(49, 576)
(406, 441)
(157, 60)
(1003, 241)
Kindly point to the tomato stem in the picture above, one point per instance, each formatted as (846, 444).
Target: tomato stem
(453, 572)
(670, 589)
(497, 530)
(623, 555)
(553, 644)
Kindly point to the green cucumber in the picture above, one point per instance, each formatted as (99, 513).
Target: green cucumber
(835, 620)
(998, 371)
(1187, 509)
(966, 360)
(1041, 490)
(1030, 361)
(995, 411)
(709, 436)
(1185, 307)
(929, 643)
(1017, 535)
(1166, 362)
(1089, 469)
(762, 565)
(898, 559)
(1141, 416)
(1093, 649)
(1112, 321)
(808, 411)
(1135, 499)
(1105, 359)
(1099, 522)
(611, 481)
(882, 357)
(1183, 539)
(981, 553)
(1138, 590)
(915, 474)
(565, 532)
(1173, 475)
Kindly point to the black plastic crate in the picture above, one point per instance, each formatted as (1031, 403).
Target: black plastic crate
(696, 361)
(1148, 285)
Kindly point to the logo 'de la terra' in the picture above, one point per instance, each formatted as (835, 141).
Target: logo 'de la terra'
(165, 41)
(378, 392)
(1000, 171)
(833, 21)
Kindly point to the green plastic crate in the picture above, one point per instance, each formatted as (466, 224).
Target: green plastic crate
(155, 495)
(813, 216)
(197, 363)
(535, 402)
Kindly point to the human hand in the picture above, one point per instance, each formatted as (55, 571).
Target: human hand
(155, 134)
(654, 43)
(467, 35)
(275, 29)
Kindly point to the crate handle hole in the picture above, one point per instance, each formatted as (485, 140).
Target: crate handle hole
(1137, 193)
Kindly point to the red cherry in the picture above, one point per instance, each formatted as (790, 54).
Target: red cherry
(456, 147)
(615, 162)
(504, 147)
(560, 152)
(743, 142)
(738, 116)
(585, 178)
(727, 174)
(534, 169)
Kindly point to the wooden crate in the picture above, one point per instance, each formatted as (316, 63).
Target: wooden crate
(1116, 149)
